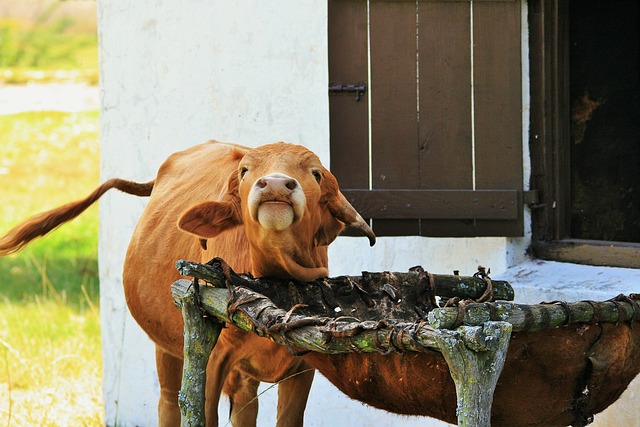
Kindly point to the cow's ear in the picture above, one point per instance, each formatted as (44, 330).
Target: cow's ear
(208, 219)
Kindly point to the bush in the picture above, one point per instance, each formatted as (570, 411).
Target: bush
(60, 44)
(45, 46)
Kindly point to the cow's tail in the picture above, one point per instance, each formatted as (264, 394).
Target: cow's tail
(42, 223)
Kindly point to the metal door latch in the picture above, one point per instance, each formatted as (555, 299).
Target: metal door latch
(359, 89)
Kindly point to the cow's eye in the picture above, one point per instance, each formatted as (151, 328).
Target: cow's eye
(243, 172)
(317, 175)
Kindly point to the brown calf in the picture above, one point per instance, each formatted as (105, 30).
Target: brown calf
(271, 210)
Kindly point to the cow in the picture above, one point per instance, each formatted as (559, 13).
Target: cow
(271, 211)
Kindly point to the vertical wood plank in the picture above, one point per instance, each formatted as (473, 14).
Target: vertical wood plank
(548, 23)
(348, 118)
(395, 163)
(498, 102)
(559, 21)
(445, 105)
(445, 95)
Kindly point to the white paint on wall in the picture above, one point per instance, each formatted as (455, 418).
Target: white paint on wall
(352, 255)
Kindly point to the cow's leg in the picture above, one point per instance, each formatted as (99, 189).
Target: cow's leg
(170, 375)
(292, 397)
(213, 391)
(243, 397)
(218, 368)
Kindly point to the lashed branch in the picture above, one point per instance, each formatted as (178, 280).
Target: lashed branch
(255, 313)
(407, 295)
(538, 317)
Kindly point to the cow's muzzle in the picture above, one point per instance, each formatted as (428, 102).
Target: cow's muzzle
(276, 201)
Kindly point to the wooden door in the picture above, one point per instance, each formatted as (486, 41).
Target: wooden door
(434, 146)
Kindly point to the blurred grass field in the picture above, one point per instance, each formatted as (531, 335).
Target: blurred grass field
(50, 349)
(48, 40)
(48, 159)
(50, 364)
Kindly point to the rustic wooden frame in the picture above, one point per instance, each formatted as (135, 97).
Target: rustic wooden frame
(474, 351)
(477, 350)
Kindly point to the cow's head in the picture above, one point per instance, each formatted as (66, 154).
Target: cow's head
(291, 209)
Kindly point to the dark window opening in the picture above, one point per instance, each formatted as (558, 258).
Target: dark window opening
(584, 134)
(605, 120)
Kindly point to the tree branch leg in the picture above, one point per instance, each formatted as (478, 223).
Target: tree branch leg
(200, 336)
(475, 356)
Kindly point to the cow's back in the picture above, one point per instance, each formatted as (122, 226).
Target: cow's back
(188, 177)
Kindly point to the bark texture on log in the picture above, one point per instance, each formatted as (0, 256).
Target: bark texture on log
(410, 297)
(200, 336)
(537, 317)
(372, 296)
(255, 313)
(475, 371)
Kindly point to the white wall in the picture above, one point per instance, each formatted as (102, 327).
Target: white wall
(175, 73)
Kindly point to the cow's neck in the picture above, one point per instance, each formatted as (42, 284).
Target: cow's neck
(286, 261)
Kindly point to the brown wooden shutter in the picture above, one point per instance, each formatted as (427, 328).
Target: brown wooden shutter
(434, 147)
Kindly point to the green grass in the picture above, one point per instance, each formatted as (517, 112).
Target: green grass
(50, 366)
(48, 159)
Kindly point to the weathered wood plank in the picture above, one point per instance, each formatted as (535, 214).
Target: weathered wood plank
(444, 63)
(592, 252)
(348, 118)
(497, 104)
(395, 163)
